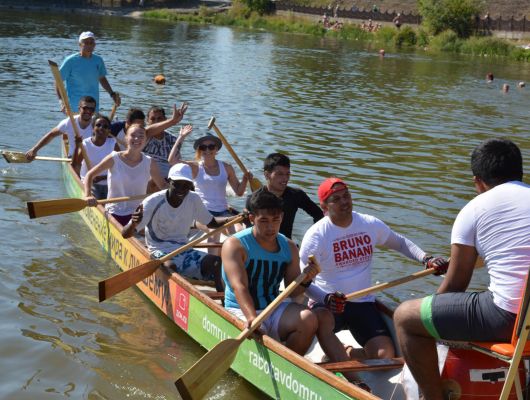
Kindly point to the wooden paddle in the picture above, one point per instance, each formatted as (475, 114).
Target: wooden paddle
(197, 380)
(62, 91)
(254, 183)
(44, 208)
(124, 280)
(113, 112)
(383, 286)
(19, 157)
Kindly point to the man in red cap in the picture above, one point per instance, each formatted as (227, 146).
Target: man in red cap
(343, 243)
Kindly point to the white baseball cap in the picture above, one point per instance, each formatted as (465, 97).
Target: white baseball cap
(180, 172)
(86, 35)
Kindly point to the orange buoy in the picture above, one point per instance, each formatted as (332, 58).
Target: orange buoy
(476, 375)
(160, 80)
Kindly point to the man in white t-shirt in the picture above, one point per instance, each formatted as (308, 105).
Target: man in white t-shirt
(167, 217)
(495, 225)
(87, 106)
(343, 243)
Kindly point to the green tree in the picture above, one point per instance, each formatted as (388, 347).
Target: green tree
(457, 15)
(259, 6)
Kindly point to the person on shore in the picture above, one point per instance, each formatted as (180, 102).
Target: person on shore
(495, 225)
(87, 107)
(167, 217)
(97, 148)
(211, 176)
(84, 71)
(277, 171)
(397, 21)
(343, 242)
(250, 287)
(129, 173)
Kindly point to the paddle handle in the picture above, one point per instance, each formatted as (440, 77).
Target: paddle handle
(43, 158)
(113, 112)
(383, 286)
(62, 92)
(275, 303)
(119, 199)
(191, 244)
(229, 148)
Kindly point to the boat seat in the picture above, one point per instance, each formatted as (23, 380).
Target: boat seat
(514, 351)
(364, 365)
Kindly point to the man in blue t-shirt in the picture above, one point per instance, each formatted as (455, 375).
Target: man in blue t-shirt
(84, 71)
(255, 261)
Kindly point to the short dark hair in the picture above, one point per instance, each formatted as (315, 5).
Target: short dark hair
(275, 159)
(100, 116)
(496, 161)
(264, 200)
(157, 109)
(135, 113)
(87, 99)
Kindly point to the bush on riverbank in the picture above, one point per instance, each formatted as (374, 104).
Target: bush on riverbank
(456, 15)
(447, 41)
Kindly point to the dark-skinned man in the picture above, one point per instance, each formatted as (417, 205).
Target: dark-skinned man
(167, 217)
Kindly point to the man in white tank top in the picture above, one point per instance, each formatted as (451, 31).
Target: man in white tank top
(87, 107)
(167, 217)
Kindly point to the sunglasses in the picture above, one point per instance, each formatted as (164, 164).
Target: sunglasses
(88, 108)
(204, 147)
(100, 125)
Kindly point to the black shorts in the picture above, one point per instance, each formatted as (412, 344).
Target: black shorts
(363, 320)
(466, 316)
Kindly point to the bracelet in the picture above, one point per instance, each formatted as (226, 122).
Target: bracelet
(307, 284)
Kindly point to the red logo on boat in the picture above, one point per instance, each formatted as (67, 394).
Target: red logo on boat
(181, 306)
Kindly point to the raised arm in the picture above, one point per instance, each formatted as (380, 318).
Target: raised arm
(175, 155)
(156, 176)
(234, 256)
(238, 187)
(178, 114)
(47, 138)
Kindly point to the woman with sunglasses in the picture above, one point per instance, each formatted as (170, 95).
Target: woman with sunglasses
(129, 172)
(210, 175)
(97, 148)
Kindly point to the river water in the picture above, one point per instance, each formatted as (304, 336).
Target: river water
(399, 130)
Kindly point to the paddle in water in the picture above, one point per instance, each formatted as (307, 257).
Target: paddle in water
(197, 380)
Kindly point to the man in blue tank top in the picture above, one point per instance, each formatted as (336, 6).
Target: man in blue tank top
(255, 261)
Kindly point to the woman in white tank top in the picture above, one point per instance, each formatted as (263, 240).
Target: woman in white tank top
(97, 148)
(209, 174)
(129, 172)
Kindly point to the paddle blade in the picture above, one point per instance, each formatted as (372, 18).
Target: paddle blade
(14, 157)
(198, 380)
(124, 280)
(255, 184)
(43, 208)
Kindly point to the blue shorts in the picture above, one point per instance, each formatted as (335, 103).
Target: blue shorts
(362, 319)
(466, 316)
(187, 263)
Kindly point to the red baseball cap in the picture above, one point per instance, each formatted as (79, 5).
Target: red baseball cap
(326, 188)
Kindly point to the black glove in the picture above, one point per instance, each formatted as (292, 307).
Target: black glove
(439, 264)
(335, 302)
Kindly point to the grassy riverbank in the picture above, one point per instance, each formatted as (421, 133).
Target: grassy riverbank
(408, 37)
